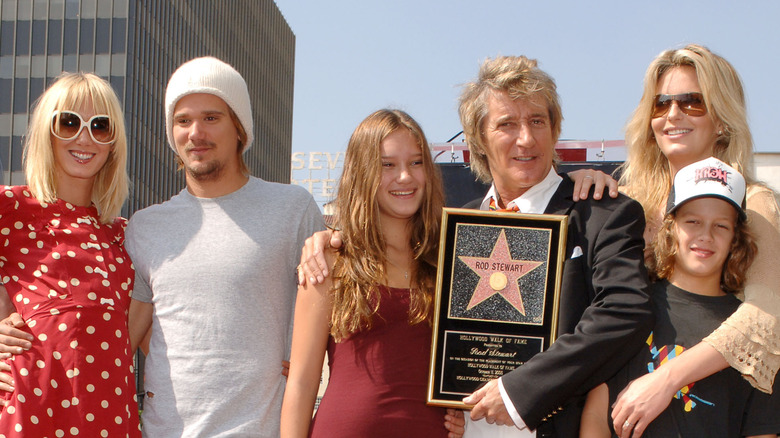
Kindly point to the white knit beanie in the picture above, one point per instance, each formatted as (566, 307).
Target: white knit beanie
(211, 76)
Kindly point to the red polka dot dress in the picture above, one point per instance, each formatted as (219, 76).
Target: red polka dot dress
(70, 278)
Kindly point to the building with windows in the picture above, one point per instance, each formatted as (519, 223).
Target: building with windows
(136, 45)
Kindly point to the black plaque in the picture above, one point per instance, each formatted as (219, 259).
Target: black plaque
(497, 294)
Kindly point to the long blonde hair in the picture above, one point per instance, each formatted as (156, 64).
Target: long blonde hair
(360, 264)
(646, 174)
(70, 92)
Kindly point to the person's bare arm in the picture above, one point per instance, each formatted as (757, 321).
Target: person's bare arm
(310, 340)
(139, 321)
(6, 306)
(647, 396)
(13, 340)
(144, 346)
(594, 422)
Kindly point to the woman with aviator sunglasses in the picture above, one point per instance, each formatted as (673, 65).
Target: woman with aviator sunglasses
(693, 107)
(65, 271)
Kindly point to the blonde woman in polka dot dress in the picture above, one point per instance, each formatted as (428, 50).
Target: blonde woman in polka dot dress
(65, 271)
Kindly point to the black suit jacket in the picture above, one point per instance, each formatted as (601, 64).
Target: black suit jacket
(605, 314)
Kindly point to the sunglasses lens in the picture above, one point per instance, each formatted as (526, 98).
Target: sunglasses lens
(692, 104)
(661, 107)
(101, 129)
(66, 125)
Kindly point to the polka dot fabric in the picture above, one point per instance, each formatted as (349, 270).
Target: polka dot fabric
(70, 279)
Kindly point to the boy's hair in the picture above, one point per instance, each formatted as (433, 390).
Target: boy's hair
(732, 278)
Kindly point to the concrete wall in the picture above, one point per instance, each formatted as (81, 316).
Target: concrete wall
(767, 166)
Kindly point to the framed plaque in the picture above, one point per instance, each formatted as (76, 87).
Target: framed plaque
(497, 297)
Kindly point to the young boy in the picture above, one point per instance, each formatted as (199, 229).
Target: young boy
(701, 255)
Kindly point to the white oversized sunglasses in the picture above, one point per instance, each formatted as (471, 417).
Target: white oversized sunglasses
(67, 125)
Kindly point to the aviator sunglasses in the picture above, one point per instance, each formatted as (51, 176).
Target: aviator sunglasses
(691, 104)
(67, 125)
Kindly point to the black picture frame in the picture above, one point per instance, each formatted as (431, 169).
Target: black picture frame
(497, 297)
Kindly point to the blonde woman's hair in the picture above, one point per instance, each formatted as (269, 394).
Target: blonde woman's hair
(520, 78)
(360, 265)
(69, 92)
(742, 252)
(646, 174)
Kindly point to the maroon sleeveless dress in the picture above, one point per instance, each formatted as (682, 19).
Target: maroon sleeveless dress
(378, 379)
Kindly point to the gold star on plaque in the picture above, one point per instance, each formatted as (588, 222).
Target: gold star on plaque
(499, 274)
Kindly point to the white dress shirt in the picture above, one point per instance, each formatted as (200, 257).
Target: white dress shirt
(534, 200)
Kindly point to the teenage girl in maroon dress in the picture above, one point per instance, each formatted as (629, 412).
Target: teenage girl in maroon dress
(373, 317)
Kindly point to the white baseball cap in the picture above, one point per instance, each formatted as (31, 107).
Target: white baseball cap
(708, 178)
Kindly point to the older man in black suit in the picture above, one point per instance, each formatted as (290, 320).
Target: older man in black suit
(512, 119)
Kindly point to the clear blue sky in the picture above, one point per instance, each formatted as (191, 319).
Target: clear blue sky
(356, 56)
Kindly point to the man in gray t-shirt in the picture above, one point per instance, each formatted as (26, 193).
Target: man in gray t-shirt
(215, 270)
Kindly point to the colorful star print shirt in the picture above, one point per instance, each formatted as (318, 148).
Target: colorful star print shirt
(722, 405)
(70, 279)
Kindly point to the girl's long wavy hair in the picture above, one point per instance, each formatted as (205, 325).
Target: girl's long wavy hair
(742, 252)
(70, 92)
(360, 265)
(646, 175)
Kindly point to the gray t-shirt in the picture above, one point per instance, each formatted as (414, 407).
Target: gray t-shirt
(221, 275)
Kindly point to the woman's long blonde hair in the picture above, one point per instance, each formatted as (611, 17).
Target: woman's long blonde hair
(360, 265)
(646, 174)
(70, 92)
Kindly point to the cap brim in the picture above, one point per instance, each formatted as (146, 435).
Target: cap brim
(739, 208)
